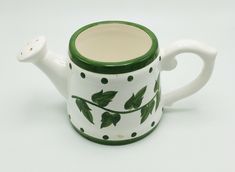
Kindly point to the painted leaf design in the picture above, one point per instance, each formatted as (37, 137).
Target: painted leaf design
(135, 100)
(146, 110)
(158, 92)
(103, 98)
(108, 119)
(157, 84)
(158, 97)
(84, 108)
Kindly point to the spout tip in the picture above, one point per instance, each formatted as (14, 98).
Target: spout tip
(33, 50)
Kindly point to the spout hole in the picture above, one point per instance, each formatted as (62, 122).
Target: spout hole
(30, 49)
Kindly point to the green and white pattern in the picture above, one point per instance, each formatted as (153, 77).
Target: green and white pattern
(114, 97)
(120, 110)
(110, 116)
(115, 102)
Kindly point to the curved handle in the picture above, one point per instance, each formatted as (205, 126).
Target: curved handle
(206, 53)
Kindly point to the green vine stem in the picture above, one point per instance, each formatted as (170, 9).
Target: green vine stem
(113, 111)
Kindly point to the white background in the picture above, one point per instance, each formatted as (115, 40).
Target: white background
(195, 135)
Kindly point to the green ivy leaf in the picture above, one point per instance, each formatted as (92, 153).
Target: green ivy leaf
(157, 84)
(108, 119)
(158, 92)
(84, 108)
(135, 100)
(103, 98)
(116, 118)
(158, 99)
(146, 110)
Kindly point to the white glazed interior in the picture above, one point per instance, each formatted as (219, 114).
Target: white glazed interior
(113, 42)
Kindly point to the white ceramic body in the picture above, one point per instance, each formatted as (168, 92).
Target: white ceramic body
(129, 123)
(111, 122)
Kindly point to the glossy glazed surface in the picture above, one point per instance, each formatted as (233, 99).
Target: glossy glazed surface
(113, 42)
(113, 108)
(117, 67)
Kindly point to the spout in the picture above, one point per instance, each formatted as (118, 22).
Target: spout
(51, 64)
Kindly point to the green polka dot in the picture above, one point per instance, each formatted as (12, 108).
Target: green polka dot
(105, 137)
(104, 80)
(82, 130)
(130, 78)
(70, 66)
(83, 75)
(153, 123)
(133, 134)
(150, 70)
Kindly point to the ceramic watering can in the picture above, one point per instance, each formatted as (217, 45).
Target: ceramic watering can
(111, 80)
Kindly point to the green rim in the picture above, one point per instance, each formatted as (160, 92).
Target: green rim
(113, 67)
(113, 142)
